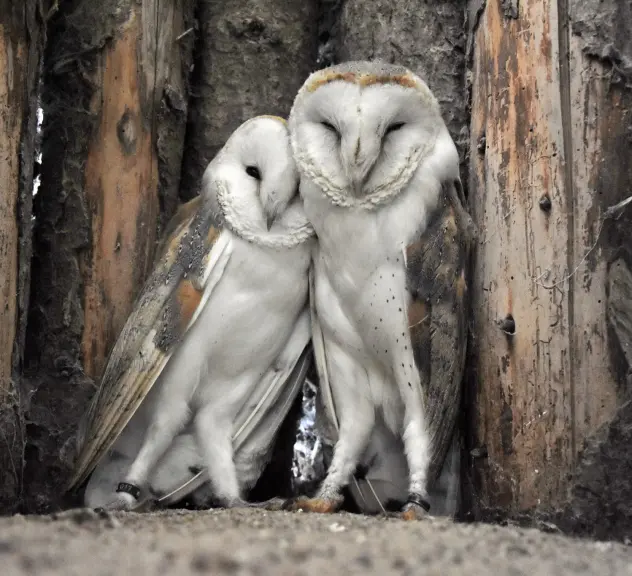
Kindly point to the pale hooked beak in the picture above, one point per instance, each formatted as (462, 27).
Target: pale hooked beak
(272, 215)
(359, 162)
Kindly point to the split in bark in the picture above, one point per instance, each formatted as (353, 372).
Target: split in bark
(22, 37)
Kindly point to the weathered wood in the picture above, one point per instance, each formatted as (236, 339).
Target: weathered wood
(21, 45)
(549, 151)
(251, 58)
(11, 99)
(115, 102)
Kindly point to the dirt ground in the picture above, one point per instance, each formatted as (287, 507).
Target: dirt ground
(257, 542)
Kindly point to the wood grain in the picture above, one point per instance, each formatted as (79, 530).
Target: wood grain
(542, 130)
(11, 110)
(121, 180)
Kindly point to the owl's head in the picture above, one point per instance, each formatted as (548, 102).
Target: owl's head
(360, 128)
(255, 171)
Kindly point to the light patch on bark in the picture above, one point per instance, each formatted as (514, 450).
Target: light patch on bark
(121, 179)
(10, 131)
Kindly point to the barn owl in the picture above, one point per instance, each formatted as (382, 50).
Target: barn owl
(214, 352)
(380, 184)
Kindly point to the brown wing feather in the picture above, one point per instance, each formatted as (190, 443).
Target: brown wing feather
(160, 318)
(437, 315)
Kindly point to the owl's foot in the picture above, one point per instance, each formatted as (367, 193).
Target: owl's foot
(321, 504)
(417, 508)
(127, 498)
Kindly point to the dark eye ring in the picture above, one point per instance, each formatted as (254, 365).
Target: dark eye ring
(394, 127)
(329, 126)
(253, 171)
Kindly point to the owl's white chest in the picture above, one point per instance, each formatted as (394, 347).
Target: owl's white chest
(361, 293)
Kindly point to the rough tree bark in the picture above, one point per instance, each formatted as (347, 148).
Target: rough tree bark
(22, 36)
(550, 149)
(115, 101)
(252, 58)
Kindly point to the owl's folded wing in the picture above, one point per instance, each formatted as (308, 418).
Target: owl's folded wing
(262, 415)
(190, 263)
(437, 315)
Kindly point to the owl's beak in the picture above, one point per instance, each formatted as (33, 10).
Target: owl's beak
(272, 214)
(360, 157)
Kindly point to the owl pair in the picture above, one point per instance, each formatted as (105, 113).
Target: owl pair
(377, 240)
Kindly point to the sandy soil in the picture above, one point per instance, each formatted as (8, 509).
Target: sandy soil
(257, 542)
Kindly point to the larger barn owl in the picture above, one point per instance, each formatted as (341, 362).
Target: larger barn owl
(216, 345)
(380, 184)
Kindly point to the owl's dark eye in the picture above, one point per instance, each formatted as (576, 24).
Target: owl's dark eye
(329, 126)
(253, 172)
(394, 127)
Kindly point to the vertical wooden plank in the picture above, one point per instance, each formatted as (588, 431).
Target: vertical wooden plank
(22, 36)
(12, 64)
(600, 116)
(121, 179)
(115, 102)
(522, 379)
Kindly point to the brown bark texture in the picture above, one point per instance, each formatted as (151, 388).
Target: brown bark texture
(551, 125)
(21, 45)
(115, 93)
(251, 58)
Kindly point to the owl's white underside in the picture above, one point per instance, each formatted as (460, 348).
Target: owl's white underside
(247, 328)
(374, 155)
(362, 301)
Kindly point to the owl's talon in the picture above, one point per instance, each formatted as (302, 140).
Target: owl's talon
(417, 508)
(317, 505)
(122, 501)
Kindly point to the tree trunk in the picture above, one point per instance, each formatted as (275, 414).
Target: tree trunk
(251, 59)
(115, 99)
(550, 155)
(22, 36)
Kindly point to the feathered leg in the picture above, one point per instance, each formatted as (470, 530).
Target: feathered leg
(214, 439)
(417, 446)
(167, 421)
(356, 416)
(215, 442)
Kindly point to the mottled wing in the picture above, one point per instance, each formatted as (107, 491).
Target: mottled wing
(437, 314)
(191, 262)
(260, 418)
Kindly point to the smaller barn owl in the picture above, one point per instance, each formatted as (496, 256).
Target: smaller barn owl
(380, 184)
(215, 350)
